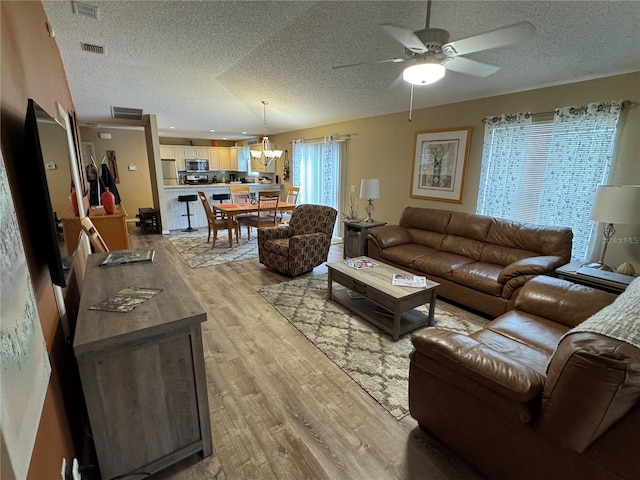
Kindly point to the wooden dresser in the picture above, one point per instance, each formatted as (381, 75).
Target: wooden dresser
(112, 228)
(142, 372)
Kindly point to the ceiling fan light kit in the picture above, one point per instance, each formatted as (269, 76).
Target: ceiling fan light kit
(423, 73)
(434, 53)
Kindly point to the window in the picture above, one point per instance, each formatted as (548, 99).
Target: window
(317, 169)
(547, 172)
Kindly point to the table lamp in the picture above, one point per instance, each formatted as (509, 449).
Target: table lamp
(614, 204)
(369, 188)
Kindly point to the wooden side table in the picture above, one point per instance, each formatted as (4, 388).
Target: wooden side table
(355, 237)
(113, 228)
(570, 272)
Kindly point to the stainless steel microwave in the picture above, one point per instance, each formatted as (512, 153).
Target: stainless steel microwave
(197, 165)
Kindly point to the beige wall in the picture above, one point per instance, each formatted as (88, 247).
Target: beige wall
(130, 148)
(382, 147)
(32, 68)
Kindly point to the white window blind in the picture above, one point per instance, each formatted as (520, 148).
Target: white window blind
(547, 172)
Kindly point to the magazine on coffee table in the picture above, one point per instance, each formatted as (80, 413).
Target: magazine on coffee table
(360, 263)
(408, 280)
(127, 256)
(126, 299)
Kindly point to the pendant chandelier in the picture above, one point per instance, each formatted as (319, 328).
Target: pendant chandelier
(268, 154)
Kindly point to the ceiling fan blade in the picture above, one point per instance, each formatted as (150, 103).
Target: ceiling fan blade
(391, 60)
(511, 34)
(471, 67)
(405, 36)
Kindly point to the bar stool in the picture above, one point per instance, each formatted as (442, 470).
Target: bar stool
(187, 199)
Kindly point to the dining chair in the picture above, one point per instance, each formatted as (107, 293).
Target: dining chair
(216, 222)
(94, 236)
(292, 197)
(240, 193)
(267, 213)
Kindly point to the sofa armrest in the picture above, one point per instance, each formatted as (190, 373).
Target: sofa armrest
(530, 266)
(389, 236)
(561, 301)
(273, 233)
(501, 374)
(593, 382)
(317, 242)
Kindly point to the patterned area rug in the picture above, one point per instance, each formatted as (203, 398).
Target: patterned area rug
(198, 253)
(366, 354)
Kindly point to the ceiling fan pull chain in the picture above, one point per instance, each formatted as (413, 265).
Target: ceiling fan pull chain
(411, 104)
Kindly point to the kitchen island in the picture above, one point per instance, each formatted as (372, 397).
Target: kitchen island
(176, 210)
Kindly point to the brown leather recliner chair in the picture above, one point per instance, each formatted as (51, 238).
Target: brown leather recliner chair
(521, 400)
(300, 246)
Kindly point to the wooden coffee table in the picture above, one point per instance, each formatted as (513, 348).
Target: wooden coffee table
(374, 284)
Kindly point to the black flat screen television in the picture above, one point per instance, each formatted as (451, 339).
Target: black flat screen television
(35, 194)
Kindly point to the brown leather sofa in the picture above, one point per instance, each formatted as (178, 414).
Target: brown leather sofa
(479, 261)
(522, 400)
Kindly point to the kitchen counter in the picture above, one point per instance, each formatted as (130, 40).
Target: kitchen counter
(177, 210)
(208, 185)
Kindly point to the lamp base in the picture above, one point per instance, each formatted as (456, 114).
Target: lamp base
(368, 220)
(600, 266)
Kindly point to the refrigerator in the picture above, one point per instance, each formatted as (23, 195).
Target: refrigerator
(169, 172)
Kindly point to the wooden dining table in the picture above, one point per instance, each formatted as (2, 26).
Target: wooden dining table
(232, 210)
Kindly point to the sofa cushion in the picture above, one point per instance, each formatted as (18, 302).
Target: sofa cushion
(535, 238)
(440, 264)
(501, 255)
(529, 339)
(426, 238)
(405, 254)
(468, 225)
(466, 247)
(480, 276)
(428, 219)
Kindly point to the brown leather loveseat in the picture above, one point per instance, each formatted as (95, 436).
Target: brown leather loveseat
(537, 393)
(479, 261)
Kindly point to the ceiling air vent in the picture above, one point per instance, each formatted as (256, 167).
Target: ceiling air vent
(84, 9)
(87, 47)
(126, 113)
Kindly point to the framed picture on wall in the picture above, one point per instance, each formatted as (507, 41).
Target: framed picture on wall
(440, 164)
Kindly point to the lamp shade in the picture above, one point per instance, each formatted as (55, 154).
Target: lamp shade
(617, 204)
(369, 188)
(423, 73)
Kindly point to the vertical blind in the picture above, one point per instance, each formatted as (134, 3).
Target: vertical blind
(547, 172)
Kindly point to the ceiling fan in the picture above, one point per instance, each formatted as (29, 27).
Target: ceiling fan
(431, 52)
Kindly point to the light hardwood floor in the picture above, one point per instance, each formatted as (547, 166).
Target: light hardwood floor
(280, 409)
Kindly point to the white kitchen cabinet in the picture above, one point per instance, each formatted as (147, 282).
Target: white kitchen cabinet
(180, 159)
(167, 153)
(190, 153)
(202, 153)
(214, 158)
(233, 158)
(225, 159)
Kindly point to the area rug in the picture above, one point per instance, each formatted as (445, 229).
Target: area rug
(369, 356)
(195, 250)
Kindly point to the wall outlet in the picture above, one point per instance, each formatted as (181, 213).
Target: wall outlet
(63, 469)
(353, 188)
(133, 167)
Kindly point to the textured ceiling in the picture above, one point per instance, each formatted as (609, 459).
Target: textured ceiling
(208, 65)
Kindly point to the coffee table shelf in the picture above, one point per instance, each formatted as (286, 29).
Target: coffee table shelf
(365, 308)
